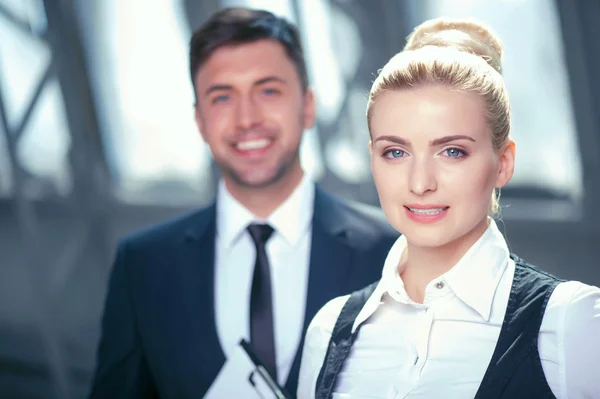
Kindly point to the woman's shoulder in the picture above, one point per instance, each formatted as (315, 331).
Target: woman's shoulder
(325, 319)
(566, 294)
(576, 299)
(573, 309)
(572, 326)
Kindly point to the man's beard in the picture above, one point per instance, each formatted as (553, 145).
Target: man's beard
(282, 170)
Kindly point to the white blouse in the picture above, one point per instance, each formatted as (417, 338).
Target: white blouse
(442, 348)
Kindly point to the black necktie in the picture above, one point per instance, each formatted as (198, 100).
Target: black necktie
(262, 337)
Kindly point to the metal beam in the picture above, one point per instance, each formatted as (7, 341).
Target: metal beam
(64, 38)
(90, 176)
(15, 134)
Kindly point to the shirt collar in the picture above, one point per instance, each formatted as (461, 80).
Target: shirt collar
(473, 279)
(291, 219)
(389, 276)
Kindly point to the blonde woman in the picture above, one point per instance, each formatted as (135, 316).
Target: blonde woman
(455, 314)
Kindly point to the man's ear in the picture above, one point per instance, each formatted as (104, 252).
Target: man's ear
(199, 120)
(309, 109)
(507, 164)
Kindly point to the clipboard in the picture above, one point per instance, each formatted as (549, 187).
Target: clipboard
(244, 376)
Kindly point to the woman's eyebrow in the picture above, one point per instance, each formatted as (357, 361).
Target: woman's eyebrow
(447, 139)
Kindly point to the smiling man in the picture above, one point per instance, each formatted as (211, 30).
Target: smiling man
(260, 261)
(252, 109)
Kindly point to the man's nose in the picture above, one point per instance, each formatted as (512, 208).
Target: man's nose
(248, 114)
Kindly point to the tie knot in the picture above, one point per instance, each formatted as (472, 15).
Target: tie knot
(260, 233)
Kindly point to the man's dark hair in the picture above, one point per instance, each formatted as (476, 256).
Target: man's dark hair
(232, 26)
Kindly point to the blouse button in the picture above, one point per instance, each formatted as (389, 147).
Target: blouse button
(439, 285)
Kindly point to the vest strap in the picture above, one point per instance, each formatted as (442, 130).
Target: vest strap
(341, 341)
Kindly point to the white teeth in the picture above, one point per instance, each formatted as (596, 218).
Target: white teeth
(427, 212)
(253, 144)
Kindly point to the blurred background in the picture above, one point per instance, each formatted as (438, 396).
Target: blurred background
(97, 139)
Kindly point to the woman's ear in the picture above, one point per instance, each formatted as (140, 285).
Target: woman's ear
(507, 164)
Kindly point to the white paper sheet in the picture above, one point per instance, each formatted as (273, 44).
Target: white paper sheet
(241, 378)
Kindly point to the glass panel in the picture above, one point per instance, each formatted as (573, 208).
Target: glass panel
(283, 8)
(23, 60)
(139, 69)
(333, 63)
(30, 12)
(548, 158)
(19, 8)
(45, 143)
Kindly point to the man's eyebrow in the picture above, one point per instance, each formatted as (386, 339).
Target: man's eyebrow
(269, 79)
(217, 87)
(225, 87)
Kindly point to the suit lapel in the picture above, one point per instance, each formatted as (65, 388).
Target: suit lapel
(197, 261)
(330, 254)
(330, 263)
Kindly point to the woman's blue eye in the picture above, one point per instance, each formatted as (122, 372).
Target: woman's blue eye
(395, 154)
(454, 152)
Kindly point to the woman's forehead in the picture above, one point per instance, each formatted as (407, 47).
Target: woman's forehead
(427, 112)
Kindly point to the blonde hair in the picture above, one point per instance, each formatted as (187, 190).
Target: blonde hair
(462, 54)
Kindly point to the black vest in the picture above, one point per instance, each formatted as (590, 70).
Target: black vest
(515, 370)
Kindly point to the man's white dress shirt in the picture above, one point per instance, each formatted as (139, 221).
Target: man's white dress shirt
(442, 348)
(288, 251)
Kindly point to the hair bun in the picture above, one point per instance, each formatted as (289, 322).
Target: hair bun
(463, 34)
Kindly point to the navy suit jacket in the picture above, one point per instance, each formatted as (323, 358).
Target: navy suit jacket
(158, 329)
